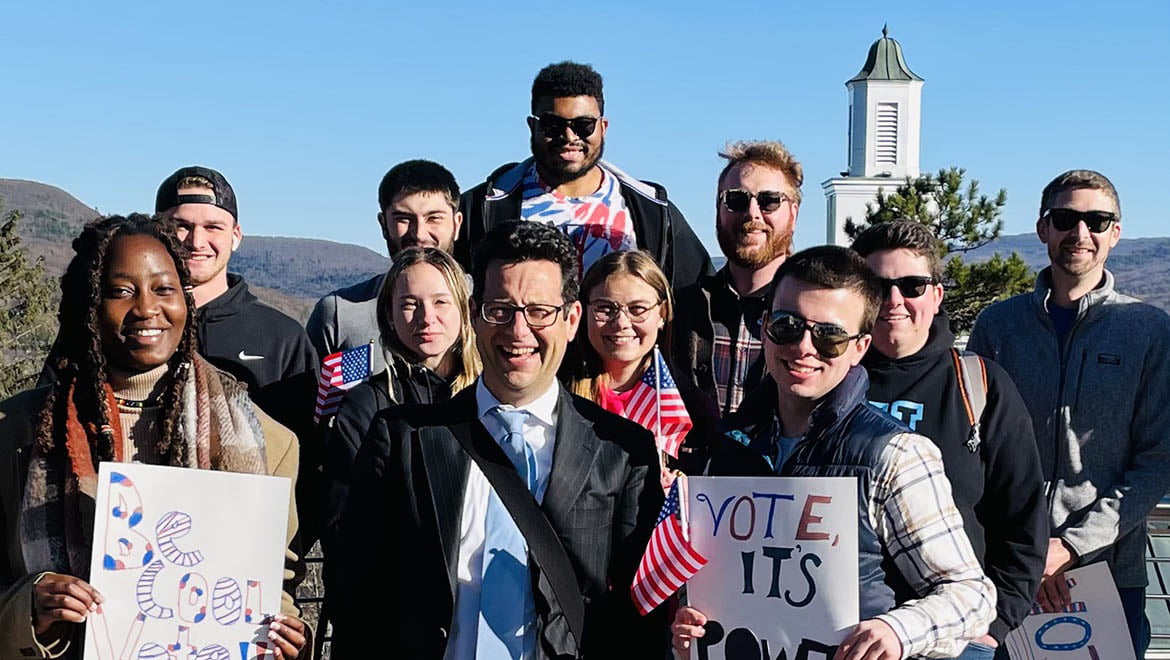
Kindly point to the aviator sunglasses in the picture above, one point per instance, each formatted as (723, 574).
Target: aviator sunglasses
(911, 286)
(1067, 219)
(738, 201)
(830, 339)
(552, 126)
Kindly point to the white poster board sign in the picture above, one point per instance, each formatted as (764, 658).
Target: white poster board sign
(1091, 628)
(781, 576)
(189, 563)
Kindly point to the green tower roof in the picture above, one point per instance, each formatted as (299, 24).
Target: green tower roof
(884, 62)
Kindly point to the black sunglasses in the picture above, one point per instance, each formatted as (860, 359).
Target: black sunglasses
(553, 126)
(738, 201)
(830, 339)
(1067, 219)
(911, 286)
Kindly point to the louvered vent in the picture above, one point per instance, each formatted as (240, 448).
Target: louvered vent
(886, 136)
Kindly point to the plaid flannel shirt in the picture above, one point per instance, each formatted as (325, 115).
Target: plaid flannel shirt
(737, 350)
(914, 515)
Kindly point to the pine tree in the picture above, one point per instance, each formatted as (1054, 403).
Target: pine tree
(963, 220)
(27, 305)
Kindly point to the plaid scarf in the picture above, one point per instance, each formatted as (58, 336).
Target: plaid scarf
(219, 425)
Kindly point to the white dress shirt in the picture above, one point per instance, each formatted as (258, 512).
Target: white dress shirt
(540, 434)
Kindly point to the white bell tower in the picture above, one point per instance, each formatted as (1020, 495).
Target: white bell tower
(885, 125)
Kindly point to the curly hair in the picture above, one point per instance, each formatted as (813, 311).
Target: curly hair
(516, 241)
(908, 235)
(81, 363)
(566, 79)
(835, 267)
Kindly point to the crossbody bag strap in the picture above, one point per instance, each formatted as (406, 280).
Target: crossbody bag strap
(544, 544)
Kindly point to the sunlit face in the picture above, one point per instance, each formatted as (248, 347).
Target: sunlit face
(752, 238)
(210, 235)
(568, 156)
(425, 313)
(799, 371)
(903, 324)
(423, 219)
(520, 362)
(621, 340)
(1078, 251)
(143, 310)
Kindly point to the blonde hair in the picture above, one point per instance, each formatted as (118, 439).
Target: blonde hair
(768, 153)
(639, 264)
(467, 364)
(194, 182)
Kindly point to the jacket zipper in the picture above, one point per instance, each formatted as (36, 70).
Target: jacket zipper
(1058, 426)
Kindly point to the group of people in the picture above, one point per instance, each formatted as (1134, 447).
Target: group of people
(489, 490)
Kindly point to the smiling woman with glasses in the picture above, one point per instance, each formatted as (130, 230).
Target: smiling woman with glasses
(628, 314)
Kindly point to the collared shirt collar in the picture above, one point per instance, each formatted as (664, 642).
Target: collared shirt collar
(542, 408)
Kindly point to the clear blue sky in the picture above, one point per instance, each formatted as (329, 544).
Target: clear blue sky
(305, 106)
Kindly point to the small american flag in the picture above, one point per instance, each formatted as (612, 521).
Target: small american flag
(657, 405)
(670, 560)
(340, 372)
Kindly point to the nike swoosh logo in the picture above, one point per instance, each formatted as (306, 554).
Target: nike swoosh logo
(245, 356)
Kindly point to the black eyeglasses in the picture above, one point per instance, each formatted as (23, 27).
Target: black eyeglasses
(553, 126)
(605, 311)
(1067, 219)
(830, 340)
(537, 316)
(738, 201)
(911, 286)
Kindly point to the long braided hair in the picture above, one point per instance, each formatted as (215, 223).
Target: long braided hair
(81, 364)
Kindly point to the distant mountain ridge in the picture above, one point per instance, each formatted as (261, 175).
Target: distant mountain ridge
(1141, 266)
(287, 273)
(292, 273)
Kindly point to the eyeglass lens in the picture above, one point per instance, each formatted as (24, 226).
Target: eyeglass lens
(1067, 219)
(738, 201)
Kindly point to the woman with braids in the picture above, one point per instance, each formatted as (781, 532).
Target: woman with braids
(129, 388)
(425, 324)
(628, 312)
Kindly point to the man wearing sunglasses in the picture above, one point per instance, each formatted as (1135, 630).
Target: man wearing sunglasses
(922, 591)
(1092, 366)
(993, 466)
(718, 335)
(566, 184)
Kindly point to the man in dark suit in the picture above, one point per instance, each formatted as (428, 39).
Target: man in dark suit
(439, 566)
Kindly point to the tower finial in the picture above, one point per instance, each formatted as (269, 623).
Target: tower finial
(885, 30)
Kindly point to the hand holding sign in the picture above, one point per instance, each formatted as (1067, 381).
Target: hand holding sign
(61, 599)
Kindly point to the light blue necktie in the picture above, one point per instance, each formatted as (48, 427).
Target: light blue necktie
(507, 612)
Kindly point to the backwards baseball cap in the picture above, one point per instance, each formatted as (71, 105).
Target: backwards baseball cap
(221, 194)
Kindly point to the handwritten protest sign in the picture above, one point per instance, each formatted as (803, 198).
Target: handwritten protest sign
(781, 577)
(189, 562)
(1091, 628)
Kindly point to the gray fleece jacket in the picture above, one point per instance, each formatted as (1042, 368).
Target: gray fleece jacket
(1100, 411)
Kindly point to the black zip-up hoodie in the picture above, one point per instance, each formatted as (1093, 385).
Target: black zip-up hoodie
(402, 382)
(999, 488)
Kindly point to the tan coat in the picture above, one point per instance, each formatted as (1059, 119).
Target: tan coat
(18, 422)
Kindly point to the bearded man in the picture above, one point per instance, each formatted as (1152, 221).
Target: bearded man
(565, 183)
(717, 339)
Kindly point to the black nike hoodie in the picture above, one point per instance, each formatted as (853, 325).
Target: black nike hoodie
(999, 487)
